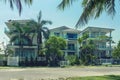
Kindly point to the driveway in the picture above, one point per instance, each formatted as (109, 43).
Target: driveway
(55, 73)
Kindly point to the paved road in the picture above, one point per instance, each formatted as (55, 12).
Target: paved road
(53, 73)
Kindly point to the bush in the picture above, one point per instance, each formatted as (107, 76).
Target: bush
(73, 59)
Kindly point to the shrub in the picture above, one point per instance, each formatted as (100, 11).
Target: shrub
(73, 59)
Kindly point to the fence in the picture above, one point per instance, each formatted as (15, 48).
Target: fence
(13, 61)
(106, 61)
(64, 63)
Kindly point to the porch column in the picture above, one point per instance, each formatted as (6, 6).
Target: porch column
(89, 34)
(110, 40)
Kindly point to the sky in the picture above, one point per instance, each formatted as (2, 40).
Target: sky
(68, 17)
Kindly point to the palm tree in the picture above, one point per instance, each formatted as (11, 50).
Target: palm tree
(39, 29)
(20, 35)
(18, 3)
(91, 9)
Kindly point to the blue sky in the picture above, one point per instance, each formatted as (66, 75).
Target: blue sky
(49, 9)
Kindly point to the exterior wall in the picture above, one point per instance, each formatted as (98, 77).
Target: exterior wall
(28, 50)
(95, 33)
(72, 43)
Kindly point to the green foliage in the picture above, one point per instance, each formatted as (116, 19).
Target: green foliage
(9, 52)
(116, 51)
(20, 34)
(65, 3)
(83, 38)
(87, 54)
(18, 4)
(38, 29)
(54, 46)
(73, 59)
(2, 56)
(91, 9)
(87, 50)
(108, 77)
(118, 45)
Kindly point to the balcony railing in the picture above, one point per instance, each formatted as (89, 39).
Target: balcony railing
(24, 46)
(72, 38)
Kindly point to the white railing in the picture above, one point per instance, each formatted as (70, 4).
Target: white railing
(106, 61)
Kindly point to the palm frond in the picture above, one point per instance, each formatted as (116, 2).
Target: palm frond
(46, 32)
(18, 4)
(91, 9)
(14, 38)
(65, 3)
(110, 7)
(18, 26)
(45, 22)
(32, 24)
(39, 17)
(87, 13)
(94, 8)
(29, 2)
(22, 39)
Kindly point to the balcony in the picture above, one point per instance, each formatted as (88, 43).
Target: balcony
(71, 36)
(24, 46)
(71, 47)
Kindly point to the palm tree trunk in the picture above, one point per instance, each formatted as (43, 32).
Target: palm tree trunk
(39, 41)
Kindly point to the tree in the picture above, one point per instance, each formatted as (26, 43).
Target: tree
(91, 9)
(39, 29)
(87, 54)
(8, 52)
(87, 49)
(82, 39)
(54, 46)
(20, 35)
(18, 4)
(116, 51)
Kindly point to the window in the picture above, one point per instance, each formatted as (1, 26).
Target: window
(71, 53)
(71, 36)
(103, 54)
(71, 46)
(94, 34)
(23, 42)
(102, 33)
(56, 33)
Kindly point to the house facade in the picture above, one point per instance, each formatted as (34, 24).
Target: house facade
(28, 48)
(71, 36)
(102, 38)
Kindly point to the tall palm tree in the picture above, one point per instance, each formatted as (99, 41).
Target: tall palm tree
(20, 35)
(18, 3)
(91, 9)
(39, 29)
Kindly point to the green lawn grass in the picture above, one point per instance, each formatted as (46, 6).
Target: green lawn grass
(109, 77)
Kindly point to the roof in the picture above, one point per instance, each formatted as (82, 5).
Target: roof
(60, 28)
(98, 29)
(9, 23)
(72, 30)
(65, 29)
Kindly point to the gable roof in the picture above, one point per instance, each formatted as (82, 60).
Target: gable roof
(71, 30)
(98, 29)
(60, 28)
(65, 29)
(10, 26)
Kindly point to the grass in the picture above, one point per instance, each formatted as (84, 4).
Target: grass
(109, 77)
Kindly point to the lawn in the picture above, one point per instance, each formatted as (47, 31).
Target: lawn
(109, 77)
